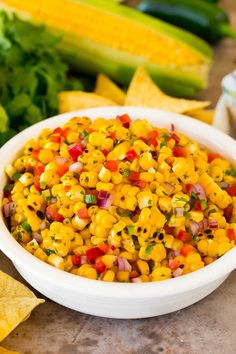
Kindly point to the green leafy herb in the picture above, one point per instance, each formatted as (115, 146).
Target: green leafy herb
(203, 203)
(130, 229)
(181, 199)
(16, 176)
(148, 250)
(31, 75)
(186, 214)
(26, 226)
(48, 252)
(126, 172)
(231, 172)
(163, 143)
(211, 211)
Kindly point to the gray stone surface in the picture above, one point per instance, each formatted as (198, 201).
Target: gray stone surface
(206, 327)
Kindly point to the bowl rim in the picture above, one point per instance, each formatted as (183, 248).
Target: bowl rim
(24, 260)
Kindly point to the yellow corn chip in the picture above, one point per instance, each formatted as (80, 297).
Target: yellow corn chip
(9, 287)
(107, 88)
(6, 351)
(143, 91)
(73, 100)
(204, 116)
(13, 311)
(16, 304)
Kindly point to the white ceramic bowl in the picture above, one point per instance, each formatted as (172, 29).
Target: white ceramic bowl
(119, 300)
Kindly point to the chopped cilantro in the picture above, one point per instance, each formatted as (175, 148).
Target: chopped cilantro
(211, 211)
(126, 172)
(48, 252)
(231, 172)
(186, 215)
(130, 229)
(148, 250)
(203, 203)
(181, 199)
(26, 226)
(16, 176)
(163, 143)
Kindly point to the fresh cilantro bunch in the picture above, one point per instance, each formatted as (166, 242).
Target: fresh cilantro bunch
(31, 75)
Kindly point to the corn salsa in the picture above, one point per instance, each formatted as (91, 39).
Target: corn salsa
(121, 201)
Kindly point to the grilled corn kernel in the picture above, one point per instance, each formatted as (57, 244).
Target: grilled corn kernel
(46, 156)
(109, 276)
(143, 267)
(161, 273)
(123, 276)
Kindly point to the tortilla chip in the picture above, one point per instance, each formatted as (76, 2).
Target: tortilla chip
(9, 287)
(6, 351)
(107, 88)
(204, 116)
(72, 100)
(13, 311)
(143, 91)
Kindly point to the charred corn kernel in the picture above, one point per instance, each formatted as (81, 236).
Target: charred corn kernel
(90, 273)
(18, 187)
(196, 266)
(114, 239)
(109, 276)
(143, 267)
(213, 249)
(80, 250)
(66, 212)
(127, 255)
(131, 203)
(79, 224)
(116, 177)
(56, 261)
(144, 215)
(76, 241)
(193, 258)
(145, 199)
(202, 246)
(132, 191)
(161, 273)
(223, 248)
(46, 156)
(108, 187)
(109, 260)
(104, 174)
(96, 138)
(168, 241)
(177, 245)
(119, 151)
(123, 276)
(40, 254)
(32, 246)
(216, 173)
(147, 176)
(159, 177)
(146, 161)
(68, 263)
(165, 204)
(27, 179)
(88, 179)
(196, 216)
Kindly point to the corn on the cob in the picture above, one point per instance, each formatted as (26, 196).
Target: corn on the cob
(102, 36)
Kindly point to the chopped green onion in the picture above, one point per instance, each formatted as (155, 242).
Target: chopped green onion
(90, 199)
(130, 229)
(16, 176)
(26, 226)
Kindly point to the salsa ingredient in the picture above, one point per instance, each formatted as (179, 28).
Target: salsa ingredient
(153, 207)
(177, 60)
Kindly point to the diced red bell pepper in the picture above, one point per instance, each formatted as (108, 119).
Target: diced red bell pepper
(52, 214)
(76, 260)
(62, 169)
(230, 233)
(75, 151)
(90, 130)
(55, 138)
(153, 134)
(186, 249)
(140, 183)
(134, 176)
(183, 236)
(197, 205)
(173, 264)
(100, 266)
(93, 253)
(103, 247)
(35, 154)
(37, 184)
(212, 156)
(112, 165)
(125, 120)
(67, 188)
(143, 139)
(65, 132)
(179, 151)
(105, 152)
(153, 142)
(57, 131)
(231, 191)
(38, 170)
(134, 274)
(83, 213)
(112, 135)
(131, 155)
(188, 188)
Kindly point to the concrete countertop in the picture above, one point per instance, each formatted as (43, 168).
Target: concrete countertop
(206, 327)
